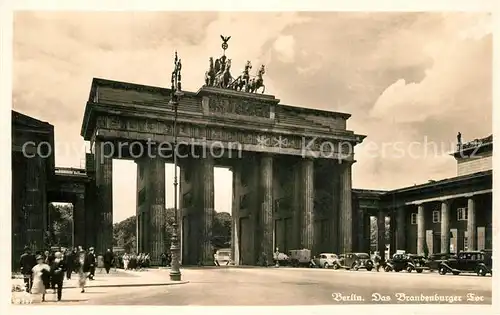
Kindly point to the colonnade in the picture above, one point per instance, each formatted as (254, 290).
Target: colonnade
(255, 207)
(423, 222)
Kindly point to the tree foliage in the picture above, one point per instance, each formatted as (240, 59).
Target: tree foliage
(60, 232)
(124, 232)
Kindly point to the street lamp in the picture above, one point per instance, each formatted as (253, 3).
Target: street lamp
(176, 93)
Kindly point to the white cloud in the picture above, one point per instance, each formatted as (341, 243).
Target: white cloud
(285, 47)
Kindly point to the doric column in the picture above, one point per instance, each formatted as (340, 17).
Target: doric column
(156, 201)
(307, 207)
(400, 228)
(235, 217)
(445, 226)
(420, 230)
(266, 206)
(392, 233)
(33, 209)
(207, 168)
(362, 235)
(79, 221)
(381, 233)
(471, 225)
(367, 233)
(104, 211)
(345, 213)
(91, 204)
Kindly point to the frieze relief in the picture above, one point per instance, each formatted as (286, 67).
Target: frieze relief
(115, 122)
(101, 122)
(238, 107)
(132, 125)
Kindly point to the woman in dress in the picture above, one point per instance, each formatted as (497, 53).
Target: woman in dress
(41, 277)
(126, 259)
(82, 275)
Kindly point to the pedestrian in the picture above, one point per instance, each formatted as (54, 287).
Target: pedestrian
(216, 262)
(126, 259)
(108, 260)
(163, 259)
(277, 257)
(169, 259)
(90, 261)
(100, 263)
(27, 262)
(376, 260)
(57, 270)
(82, 270)
(69, 260)
(41, 277)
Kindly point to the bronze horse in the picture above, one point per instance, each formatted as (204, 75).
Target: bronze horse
(223, 80)
(210, 74)
(244, 79)
(257, 83)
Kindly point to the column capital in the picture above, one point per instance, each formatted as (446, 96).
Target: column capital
(447, 201)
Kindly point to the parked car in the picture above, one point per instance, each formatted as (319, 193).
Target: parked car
(326, 260)
(281, 258)
(300, 257)
(479, 262)
(408, 262)
(224, 256)
(436, 259)
(355, 261)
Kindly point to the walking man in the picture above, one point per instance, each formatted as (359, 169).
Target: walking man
(216, 262)
(90, 261)
(57, 270)
(69, 259)
(27, 262)
(108, 260)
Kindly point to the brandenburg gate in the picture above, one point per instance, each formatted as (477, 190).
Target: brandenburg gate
(291, 166)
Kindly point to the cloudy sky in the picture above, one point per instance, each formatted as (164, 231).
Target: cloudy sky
(410, 80)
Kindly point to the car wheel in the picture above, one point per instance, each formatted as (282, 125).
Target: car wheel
(397, 270)
(387, 269)
(455, 273)
(409, 269)
(335, 266)
(442, 271)
(325, 266)
(369, 268)
(353, 267)
(482, 271)
(419, 270)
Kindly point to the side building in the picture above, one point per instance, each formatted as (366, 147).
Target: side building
(36, 182)
(448, 215)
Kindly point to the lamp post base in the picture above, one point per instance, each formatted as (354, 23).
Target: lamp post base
(175, 275)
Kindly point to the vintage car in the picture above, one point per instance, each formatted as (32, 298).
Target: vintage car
(299, 257)
(479, 262)
(326, 260)
(408, 262)
(435, 260)
(355, 261)
(223, 256)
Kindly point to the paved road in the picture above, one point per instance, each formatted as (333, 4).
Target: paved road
(288, 286)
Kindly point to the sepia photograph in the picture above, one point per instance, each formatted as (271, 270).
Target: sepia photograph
(231, 158)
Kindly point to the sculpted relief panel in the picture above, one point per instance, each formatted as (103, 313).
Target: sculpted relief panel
(238, 107)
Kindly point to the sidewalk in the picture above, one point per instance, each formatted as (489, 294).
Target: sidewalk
(120, 278)
(115, 279)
